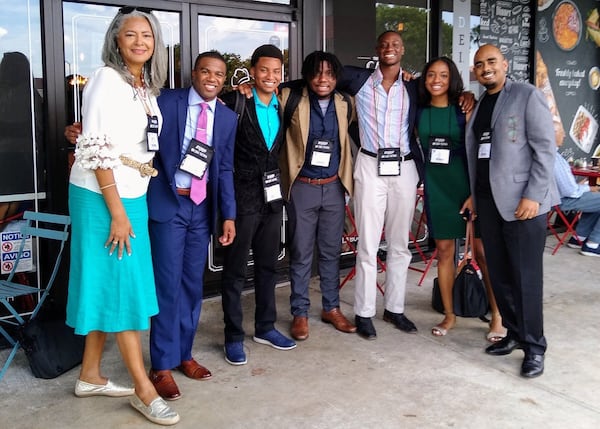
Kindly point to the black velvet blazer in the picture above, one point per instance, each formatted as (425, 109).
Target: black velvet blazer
(252, 158)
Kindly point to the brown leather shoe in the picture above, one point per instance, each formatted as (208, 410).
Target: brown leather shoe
(299, 329)
(338, 320)
(165, 384)
(194, 370)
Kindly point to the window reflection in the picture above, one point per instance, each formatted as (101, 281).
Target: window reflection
(236, 39)
(22, 178)
(84, 29)
(274, 1)
(22, 145)
(412, 23)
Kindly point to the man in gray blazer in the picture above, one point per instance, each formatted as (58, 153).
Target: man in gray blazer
(510, 149)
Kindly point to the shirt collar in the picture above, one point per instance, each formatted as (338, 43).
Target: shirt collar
(194, 99)
(259, 102)
(378, 77)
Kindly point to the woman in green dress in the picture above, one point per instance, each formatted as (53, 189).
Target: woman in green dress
(441, 130)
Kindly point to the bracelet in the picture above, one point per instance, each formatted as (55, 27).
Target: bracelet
(107, 186)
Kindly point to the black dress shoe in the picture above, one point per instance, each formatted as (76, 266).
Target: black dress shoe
(400, 321)
(365, 328)
(533, 365)
(503, 347)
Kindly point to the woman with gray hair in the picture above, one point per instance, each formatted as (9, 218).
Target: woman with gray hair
(111, 282)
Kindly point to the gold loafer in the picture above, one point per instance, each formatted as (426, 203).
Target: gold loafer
(83, 389)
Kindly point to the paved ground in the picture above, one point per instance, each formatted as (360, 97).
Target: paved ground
(335, 380)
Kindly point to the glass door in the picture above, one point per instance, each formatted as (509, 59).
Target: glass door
(22, 97)
(23, 147)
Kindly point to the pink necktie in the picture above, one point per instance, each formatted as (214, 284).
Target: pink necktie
(198, 187)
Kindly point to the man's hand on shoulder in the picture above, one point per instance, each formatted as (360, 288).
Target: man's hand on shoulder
(467, 101)
(408, 76)
(245, 89)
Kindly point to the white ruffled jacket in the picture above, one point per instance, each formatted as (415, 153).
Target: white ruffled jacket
(114, 123)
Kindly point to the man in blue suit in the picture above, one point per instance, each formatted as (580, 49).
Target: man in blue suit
(180, 227)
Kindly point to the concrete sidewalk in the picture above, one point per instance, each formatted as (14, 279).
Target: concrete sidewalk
(336, 380)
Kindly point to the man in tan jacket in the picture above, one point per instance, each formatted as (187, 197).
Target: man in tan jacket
(316, 171)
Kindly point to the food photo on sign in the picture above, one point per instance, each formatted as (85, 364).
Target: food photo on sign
(568, 71)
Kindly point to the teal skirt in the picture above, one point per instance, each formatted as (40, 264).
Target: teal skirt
(107, 294)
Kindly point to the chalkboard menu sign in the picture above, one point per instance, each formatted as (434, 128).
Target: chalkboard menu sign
(507, 24)
(567, 66)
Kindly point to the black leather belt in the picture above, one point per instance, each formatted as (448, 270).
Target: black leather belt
(406, 157)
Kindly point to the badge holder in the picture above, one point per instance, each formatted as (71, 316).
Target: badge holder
(388, 162)
(321, 154)
(439, 150)
(197, 158)
(152, 133)
(485, 145)
(272, 186)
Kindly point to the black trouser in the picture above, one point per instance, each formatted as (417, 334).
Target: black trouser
(514, 252)
(261, 232)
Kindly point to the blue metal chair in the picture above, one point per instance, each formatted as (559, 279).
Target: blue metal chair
(55, 227)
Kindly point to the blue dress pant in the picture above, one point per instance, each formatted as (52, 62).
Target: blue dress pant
(316, 214)
(179, 252)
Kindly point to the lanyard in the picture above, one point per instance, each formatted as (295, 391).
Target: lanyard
(140, 92)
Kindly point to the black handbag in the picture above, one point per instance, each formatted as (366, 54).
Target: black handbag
(469, 296)
(436, 297)
(52, 348)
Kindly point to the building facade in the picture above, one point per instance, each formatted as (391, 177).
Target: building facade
(49, 47)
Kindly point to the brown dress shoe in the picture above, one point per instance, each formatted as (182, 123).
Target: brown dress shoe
(165, 384)
(338, 320)
(299, 329)
(194, 370)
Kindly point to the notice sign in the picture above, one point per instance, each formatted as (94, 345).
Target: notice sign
(10, 242)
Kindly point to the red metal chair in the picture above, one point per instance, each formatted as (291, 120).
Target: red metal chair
(414, 238)
(555, 214)
(350, 239)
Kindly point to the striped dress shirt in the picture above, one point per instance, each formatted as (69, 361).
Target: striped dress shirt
(565, 181)
(382, 116)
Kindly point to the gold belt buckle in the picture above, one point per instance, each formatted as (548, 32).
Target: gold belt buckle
(147, 169)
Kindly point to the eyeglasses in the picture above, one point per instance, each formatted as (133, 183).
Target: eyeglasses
(125, 10)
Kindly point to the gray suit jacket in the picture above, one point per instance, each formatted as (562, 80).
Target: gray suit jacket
(523, 150)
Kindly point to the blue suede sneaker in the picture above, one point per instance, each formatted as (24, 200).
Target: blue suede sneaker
(234, 353)
(588, 251)
(275, 339)
(573, 243)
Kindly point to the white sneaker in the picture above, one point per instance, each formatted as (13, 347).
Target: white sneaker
(588, 251)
